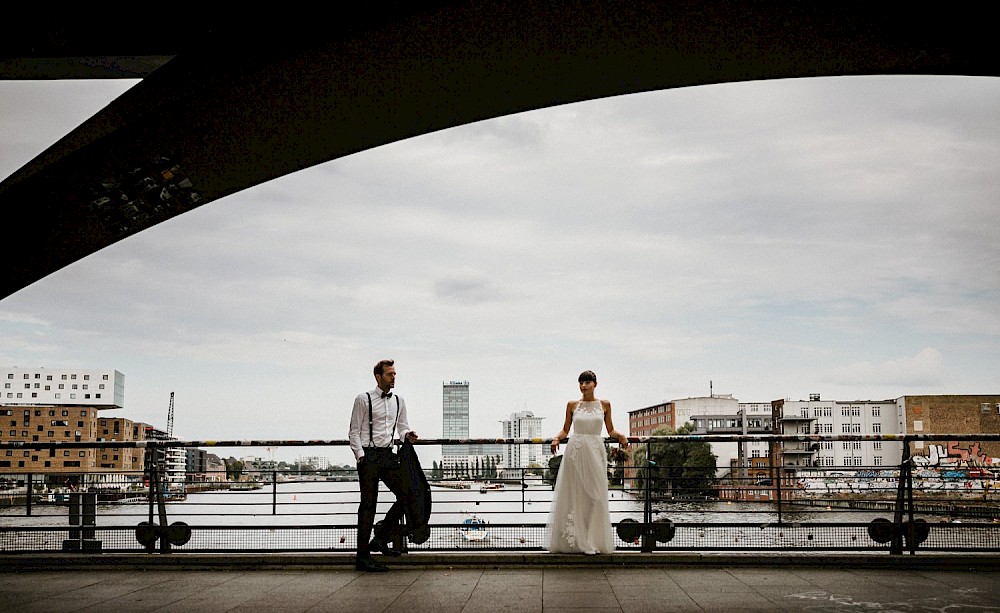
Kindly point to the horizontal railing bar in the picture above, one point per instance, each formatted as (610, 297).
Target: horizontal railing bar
(715, 438)
(795, 525)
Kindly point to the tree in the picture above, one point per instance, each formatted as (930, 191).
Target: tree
(234, 469)
(617, 476)
(302, 468)
(680, 468)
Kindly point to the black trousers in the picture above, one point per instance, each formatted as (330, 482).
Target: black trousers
(378, 464)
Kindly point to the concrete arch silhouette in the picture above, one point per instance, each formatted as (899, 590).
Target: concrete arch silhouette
(226, 107)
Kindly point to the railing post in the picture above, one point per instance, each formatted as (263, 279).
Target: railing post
(647, 512)
(777, 485)
(274, 491)
(154, 456)
(30, 489)
(524, 488)
(903, 486)
(89, 517)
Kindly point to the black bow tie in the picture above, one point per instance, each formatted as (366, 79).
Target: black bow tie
(387, 394)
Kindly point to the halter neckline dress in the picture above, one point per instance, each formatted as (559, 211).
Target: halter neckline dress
(579, 520)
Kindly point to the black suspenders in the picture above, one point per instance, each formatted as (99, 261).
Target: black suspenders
(371, 433)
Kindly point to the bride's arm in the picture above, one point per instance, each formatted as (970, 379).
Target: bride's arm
(566, 426)
(622, 439)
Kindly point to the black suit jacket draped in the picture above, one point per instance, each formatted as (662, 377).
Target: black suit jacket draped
(419, 511)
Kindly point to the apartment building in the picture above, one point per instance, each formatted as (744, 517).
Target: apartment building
(854, 417)
(47, 423)
(66, 405)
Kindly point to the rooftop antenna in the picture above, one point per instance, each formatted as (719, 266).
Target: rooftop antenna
(711, 394)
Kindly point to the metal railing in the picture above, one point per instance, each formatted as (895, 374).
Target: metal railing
(753, 504)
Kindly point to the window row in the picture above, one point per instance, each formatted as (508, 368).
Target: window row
(38, 375)
(48, 464)
(66, 452)
(38, 413)
(49, 434)
(58, 396)
(61, 386)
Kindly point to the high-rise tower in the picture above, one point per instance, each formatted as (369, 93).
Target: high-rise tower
(455, 415)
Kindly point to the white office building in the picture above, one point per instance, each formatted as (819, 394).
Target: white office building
(757, 416)
(98, 388)
(817, 416)
(523, 425)
(317, 462)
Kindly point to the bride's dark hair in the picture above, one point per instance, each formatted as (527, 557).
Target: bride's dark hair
(587, 375)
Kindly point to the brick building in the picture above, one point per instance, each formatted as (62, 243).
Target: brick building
(642, 422)
(46, 423)
(953, 414)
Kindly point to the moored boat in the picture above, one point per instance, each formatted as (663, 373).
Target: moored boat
(245, 486)
(474, 529)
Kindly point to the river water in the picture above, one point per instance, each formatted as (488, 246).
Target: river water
(335, 503)
(319, 515)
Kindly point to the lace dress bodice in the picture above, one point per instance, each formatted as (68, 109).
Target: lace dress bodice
(588, 418)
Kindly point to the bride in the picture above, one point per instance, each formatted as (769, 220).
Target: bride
(579, 520)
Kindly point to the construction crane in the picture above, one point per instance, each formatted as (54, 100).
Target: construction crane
(170, 418)
(175, 458)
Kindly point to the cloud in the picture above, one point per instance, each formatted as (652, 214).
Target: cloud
(469, 287)
(950, 309)
(926, 369)
(22, 318)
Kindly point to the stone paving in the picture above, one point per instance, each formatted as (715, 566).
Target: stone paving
(477, 587)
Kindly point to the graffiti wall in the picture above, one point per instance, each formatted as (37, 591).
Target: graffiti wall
(953, 468)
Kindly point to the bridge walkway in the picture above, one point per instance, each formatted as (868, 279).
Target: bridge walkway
(462, 583)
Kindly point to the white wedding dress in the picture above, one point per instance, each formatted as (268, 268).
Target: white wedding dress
(579, 521)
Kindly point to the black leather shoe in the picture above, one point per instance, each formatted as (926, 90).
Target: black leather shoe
(383, 546)
(369, 565)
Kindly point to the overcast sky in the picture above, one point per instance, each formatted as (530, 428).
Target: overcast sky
(834, 236)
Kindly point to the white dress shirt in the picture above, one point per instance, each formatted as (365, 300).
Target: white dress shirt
(383, 420)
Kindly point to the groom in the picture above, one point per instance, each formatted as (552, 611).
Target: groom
(376, 417)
